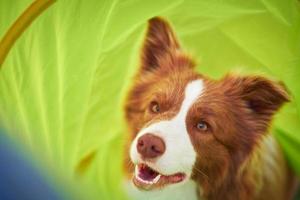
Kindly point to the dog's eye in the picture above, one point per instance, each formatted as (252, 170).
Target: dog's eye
(202, 126)
(154, 107)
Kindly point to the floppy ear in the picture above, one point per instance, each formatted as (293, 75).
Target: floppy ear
(161, 47)
(264, 97)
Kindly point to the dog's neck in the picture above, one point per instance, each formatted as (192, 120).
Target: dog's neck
(187, 190)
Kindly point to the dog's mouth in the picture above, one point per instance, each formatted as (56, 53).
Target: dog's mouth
(146, 178)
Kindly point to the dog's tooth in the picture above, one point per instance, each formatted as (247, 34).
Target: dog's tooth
(136, 171)
(156, 179)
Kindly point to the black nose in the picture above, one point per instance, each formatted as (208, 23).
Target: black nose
(150, 146)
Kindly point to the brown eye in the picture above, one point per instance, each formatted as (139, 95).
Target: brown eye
(154, 107)
(202, 126)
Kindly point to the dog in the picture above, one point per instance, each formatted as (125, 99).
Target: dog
(192, 137)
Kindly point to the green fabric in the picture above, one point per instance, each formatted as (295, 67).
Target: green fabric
(63, 83)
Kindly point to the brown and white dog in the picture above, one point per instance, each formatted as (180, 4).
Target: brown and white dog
(192, 137)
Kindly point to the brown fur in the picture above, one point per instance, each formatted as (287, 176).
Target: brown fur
(234, 160)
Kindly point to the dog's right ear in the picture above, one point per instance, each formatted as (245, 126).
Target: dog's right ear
(161, 48)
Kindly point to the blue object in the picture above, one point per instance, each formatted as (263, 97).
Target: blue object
(19, 178)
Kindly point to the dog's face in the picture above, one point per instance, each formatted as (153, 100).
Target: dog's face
(186, 126)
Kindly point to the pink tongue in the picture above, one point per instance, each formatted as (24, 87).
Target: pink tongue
(147, 174)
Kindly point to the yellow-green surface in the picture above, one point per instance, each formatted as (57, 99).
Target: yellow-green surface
(62, 84)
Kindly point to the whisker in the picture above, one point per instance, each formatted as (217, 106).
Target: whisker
(201, 172)
(198, 170)
(129, 164)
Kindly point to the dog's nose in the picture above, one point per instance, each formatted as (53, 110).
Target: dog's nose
(150, 146)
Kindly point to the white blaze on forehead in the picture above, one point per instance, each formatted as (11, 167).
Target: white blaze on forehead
(179, 155)
(192, 92)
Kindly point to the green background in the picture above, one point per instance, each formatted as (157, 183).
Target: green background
(63, 82)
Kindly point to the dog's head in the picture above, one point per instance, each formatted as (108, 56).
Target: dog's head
(186, 126)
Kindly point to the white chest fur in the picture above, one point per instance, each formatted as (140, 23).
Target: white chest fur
(176, 192)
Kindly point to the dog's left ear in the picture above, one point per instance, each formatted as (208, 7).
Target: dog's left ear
(161, 48)
(263, 96)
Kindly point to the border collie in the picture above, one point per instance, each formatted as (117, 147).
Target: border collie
(192, 137)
